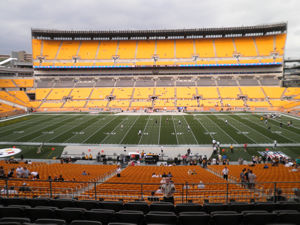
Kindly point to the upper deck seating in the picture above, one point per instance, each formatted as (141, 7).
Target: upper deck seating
(245, 46)
(88, 49)
(224, 47)
(107, 49)
(127, 49)
(50, 48)
(265, 45)
(165, 49)
(184, 49)
(68, 50)
(145, 49)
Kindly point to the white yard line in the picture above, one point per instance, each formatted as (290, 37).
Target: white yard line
(270, 131)
(27, 133)
(144, 129)
(223, 130)
(205, 128)
(261, 134)
(84, 129)
(159, 130)
(129, 129)
(175, 130)
(191, 131)
(239, 131)
(65, 131)
(99, 129)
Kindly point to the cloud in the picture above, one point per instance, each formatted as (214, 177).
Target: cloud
(19, 16)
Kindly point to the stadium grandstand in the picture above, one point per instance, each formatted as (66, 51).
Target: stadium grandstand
(100, 118)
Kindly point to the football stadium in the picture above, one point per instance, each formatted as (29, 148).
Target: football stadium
(175, 126)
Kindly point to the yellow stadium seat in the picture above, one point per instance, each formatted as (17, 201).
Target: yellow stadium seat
(258, 104)
(280, 43)
(224, 47)
(41, 93)
(68, 50)
(145, 49)
(265, 45)
(165, 49)
(252, 92)
(210, 103)
(24, 82)
(204, 48)
(74, 104)
(185, 92)
(208, 92)
(273, 92)
(101, 93)
(229, 92)
(107, 49)
(94, 103)
(184, 48)
(50, 48)
(81, 93)
(164, 103)
(187, 103)
(143, 93)
(127, 49)
(245, 46)
(51, 105)
(233, 103)
(6, 83)
(88, 49)
(123, 93)
(36, 48)
(141, 104)
(119, 103)
(165, 92)
(59, 93)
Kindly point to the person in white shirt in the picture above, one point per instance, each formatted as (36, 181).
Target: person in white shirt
(168, 190)
(225, 172)
(201, 185)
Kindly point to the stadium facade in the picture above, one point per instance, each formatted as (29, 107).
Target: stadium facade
(234, 68)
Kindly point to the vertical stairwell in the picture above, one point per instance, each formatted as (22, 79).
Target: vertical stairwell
(266, 96)
(175, 96)
(67, 96)
(13, 81)
(97, 52)
(88, 98)
(131, 97)
(255, 46)
(283, 93)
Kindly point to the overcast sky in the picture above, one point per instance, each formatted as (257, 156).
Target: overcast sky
(19, 16)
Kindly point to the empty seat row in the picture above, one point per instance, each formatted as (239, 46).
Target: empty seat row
(100, 216)
(145, 207)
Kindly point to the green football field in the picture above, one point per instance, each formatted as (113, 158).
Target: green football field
(191, 129)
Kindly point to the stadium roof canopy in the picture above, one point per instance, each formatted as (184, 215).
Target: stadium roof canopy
(159, 34)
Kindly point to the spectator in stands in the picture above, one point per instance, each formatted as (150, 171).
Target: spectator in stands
(164, 175)
(278, 196)
(251, 178)
(11, 173)
(155, 175)
(186, 186)
(296, 197)
(242, 177)
(25, 173)
(119, 171)
(225, 172)
(170, 174)
(84, 173)
(60, 178)
(201, 185)
(35, 175)
(2, 172)
(49, 178)
(12, 191)
(24, 188)
(168, 190)
(19, 171)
